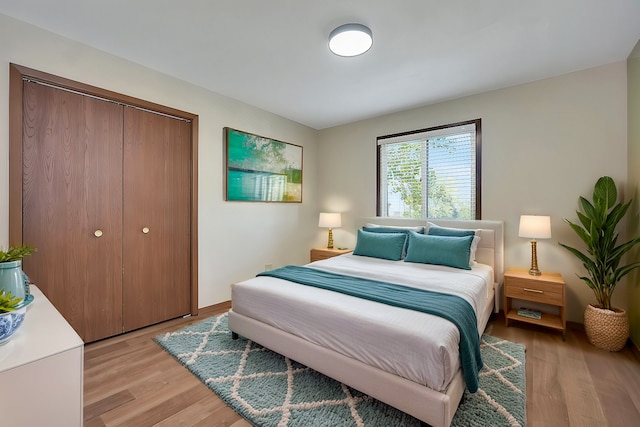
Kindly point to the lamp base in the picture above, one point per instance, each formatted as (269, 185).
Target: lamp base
(330, 240)
(534, 260)
(535, 272)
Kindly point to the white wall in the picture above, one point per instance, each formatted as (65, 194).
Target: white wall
(543, 145)
(236, 240)
(633, 97)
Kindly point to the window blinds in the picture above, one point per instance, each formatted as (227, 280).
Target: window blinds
(430, 173)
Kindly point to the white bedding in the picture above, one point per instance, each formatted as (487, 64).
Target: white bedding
(418, 346)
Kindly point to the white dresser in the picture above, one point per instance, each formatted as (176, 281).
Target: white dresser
(41, 370)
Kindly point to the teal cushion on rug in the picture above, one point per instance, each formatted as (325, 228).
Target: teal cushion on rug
(269, 389)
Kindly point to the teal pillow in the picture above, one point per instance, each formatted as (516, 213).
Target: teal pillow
(434, 230)
(395, 230)
(451, 251)
(380, 245)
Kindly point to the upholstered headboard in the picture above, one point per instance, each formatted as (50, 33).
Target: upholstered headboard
(490, 249)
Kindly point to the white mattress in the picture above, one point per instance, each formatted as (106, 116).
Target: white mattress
(414, 345)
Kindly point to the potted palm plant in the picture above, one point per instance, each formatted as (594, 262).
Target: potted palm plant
(606, 326)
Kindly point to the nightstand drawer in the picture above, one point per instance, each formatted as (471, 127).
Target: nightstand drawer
(318, 257)
(543, 292)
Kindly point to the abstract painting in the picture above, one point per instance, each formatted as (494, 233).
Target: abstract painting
(260, 169)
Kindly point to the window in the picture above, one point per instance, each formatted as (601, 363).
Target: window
(430, 173)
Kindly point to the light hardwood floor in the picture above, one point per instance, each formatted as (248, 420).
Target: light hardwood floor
(131, 381)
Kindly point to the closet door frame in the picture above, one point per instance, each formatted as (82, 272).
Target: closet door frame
(17, 74)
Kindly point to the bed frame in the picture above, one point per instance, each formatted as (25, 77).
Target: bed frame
(432, 407)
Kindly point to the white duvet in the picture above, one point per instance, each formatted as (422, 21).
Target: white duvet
(414, 345)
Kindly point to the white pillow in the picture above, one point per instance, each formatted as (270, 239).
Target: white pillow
(474, 247)
(417, 229)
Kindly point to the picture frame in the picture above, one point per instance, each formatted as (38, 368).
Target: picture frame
(261, 169)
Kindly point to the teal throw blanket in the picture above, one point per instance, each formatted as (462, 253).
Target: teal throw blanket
(450, 307)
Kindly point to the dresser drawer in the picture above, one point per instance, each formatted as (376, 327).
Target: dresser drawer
(543, 292)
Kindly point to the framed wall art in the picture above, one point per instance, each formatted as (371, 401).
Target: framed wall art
(260, 169)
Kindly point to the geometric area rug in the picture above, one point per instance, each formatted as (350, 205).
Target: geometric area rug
(268, 389)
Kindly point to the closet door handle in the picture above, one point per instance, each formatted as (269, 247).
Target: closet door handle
(145, 230)
(98, 233)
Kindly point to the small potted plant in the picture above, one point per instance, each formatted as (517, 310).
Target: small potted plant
(12, 312)
(12, 278)
(606, 326)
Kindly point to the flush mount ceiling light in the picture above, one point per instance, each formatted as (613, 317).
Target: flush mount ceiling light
(350, 40)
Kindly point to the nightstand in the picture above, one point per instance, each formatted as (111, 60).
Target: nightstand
(323, 253)
(548, 289)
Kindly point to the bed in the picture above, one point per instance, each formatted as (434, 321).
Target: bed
(348, 338)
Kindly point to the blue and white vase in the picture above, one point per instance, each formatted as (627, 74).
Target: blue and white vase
(10, 322)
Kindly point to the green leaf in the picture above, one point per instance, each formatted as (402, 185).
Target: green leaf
(581, 232)
(584, 220)
(605, 193)
(8, 302)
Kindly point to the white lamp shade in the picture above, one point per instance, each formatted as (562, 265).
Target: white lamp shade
(330, 220)
(350, 40)
(535, 226)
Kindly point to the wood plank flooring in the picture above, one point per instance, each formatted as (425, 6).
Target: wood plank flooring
(131, 381)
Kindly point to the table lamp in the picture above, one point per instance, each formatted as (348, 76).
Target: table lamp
(330, 221)
(535, 227)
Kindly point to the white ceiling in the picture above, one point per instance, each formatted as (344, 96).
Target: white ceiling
(274, 55)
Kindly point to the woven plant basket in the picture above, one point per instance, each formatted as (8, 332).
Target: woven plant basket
(606, 329)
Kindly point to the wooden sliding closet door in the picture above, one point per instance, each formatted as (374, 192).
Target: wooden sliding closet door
(72, 198)
(157, 211)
